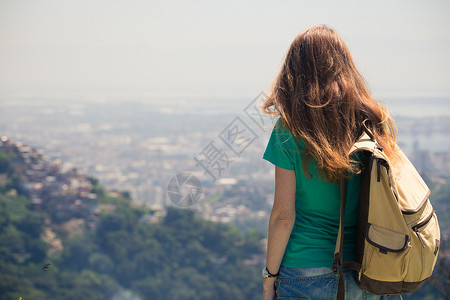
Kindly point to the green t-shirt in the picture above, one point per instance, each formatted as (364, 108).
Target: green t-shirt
(317, 205)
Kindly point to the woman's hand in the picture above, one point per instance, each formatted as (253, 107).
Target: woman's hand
(269, 289)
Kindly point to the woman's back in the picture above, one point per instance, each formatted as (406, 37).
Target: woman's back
(313, 237)
(321, 100)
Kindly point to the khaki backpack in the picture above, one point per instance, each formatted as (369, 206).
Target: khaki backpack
(398, 231)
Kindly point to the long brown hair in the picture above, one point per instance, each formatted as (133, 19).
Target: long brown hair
(322, 99)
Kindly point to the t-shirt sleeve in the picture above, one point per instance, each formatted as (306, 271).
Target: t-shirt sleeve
(277, 151)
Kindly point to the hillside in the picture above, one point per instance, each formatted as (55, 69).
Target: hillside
(62, 236)
(101, 247)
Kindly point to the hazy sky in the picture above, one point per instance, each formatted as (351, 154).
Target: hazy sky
(210, 48)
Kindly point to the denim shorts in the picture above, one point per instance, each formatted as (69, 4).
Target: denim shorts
(317, 283)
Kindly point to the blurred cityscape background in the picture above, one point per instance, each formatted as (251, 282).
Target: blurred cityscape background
(103, 103)
(138, 146)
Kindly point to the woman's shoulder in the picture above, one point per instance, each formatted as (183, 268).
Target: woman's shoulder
(285, 136)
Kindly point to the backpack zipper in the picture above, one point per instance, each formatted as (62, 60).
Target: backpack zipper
(415, 228)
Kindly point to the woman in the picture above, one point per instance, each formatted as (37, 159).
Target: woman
(321, 100)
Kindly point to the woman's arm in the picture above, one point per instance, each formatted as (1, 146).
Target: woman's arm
(282, 220)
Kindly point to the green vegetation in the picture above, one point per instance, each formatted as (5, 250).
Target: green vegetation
(126, 252)
(440, 197)
(179, 257)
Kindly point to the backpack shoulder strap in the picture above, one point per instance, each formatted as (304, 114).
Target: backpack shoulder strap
(337, 264)
(365, 142)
